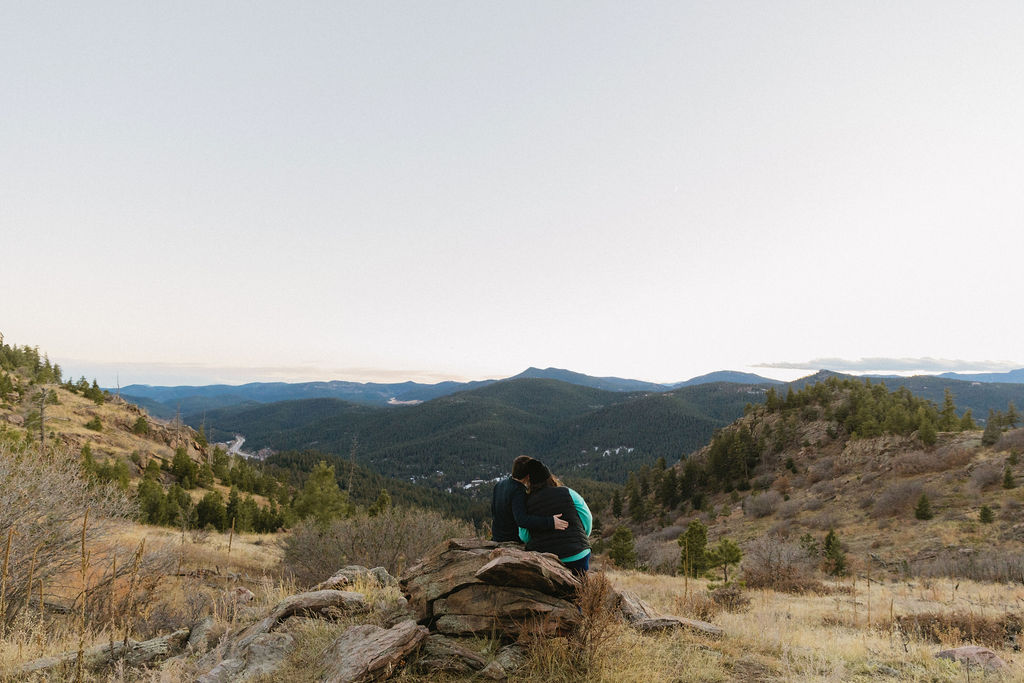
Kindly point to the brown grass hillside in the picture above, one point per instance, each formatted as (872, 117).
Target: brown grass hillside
(66, 426)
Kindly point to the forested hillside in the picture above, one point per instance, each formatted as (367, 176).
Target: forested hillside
(471, 435)
(847, 455)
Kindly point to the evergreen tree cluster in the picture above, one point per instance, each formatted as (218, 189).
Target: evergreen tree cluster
(864, 409)
(998, 422)
(28, 361)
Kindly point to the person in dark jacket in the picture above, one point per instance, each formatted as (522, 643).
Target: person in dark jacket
(547, 496)
(508, 507)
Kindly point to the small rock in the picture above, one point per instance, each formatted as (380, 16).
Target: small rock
(493, 672)
(241, 595)
(199, 635)
(974, 655)
(346, 576)
(511, 657)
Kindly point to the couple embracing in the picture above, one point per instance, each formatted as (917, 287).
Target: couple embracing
(534, 507)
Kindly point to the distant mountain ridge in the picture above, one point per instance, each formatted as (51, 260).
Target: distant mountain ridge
(1011, 377)
(166, 401)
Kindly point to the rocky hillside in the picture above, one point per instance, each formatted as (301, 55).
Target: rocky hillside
(907, 486)
(76, 414)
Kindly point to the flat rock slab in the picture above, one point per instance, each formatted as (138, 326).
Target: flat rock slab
(973, 655)
(539, 571)
(369, 653)
(511, 612)
(656, 624)
(323, 604)
(264, 655)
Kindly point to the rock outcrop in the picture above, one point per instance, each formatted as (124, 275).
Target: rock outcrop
(471, 586)
(462, 589)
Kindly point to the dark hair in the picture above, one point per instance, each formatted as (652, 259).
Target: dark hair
(540, 476)
(519, 466)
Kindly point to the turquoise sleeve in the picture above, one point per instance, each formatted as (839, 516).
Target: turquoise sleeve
(582, 510)
(524, 535)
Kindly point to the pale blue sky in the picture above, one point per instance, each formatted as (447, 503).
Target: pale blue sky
(243, 191)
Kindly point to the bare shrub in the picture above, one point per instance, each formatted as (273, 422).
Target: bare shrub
(824, 520)
(772, 563)
(43, 501)
(597, 621)
(813, 504)
(824, 489)
(789, 509)
(986, 475)
(956, 627)
(898, 498)
(392, 539)
(953, 456)
(763, 504)
(915, 462)
(731, 598)
(782, 530)
(869, 477)
(586, 649)
(920, 462)
(1012, 440)
(820, 470)
(989, 566)
(697, 605)
(763, 481)
(657, 556)
(669, 533)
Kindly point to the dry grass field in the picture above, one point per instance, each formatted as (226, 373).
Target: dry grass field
(856, 632)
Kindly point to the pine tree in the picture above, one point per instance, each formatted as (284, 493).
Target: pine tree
(948, 421)
(923, 510)
(992, 429)
(210, 512)
(693, 549)
(835, 558)
(141, 426)
(926, 428)
(617, 504)
(382, 504)
(986, 516)
(621, 549)
(726, 552)
(1012, 417)
(321, 498)
(183, 468)
(967, 421)
(1008, 482)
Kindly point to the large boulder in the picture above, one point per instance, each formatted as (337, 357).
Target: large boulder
(471, 586)
(370, 653)
(449, 566)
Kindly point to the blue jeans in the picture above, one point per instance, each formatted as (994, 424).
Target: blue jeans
(580, 566)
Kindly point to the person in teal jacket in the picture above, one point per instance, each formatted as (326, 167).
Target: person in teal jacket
(547, 496)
